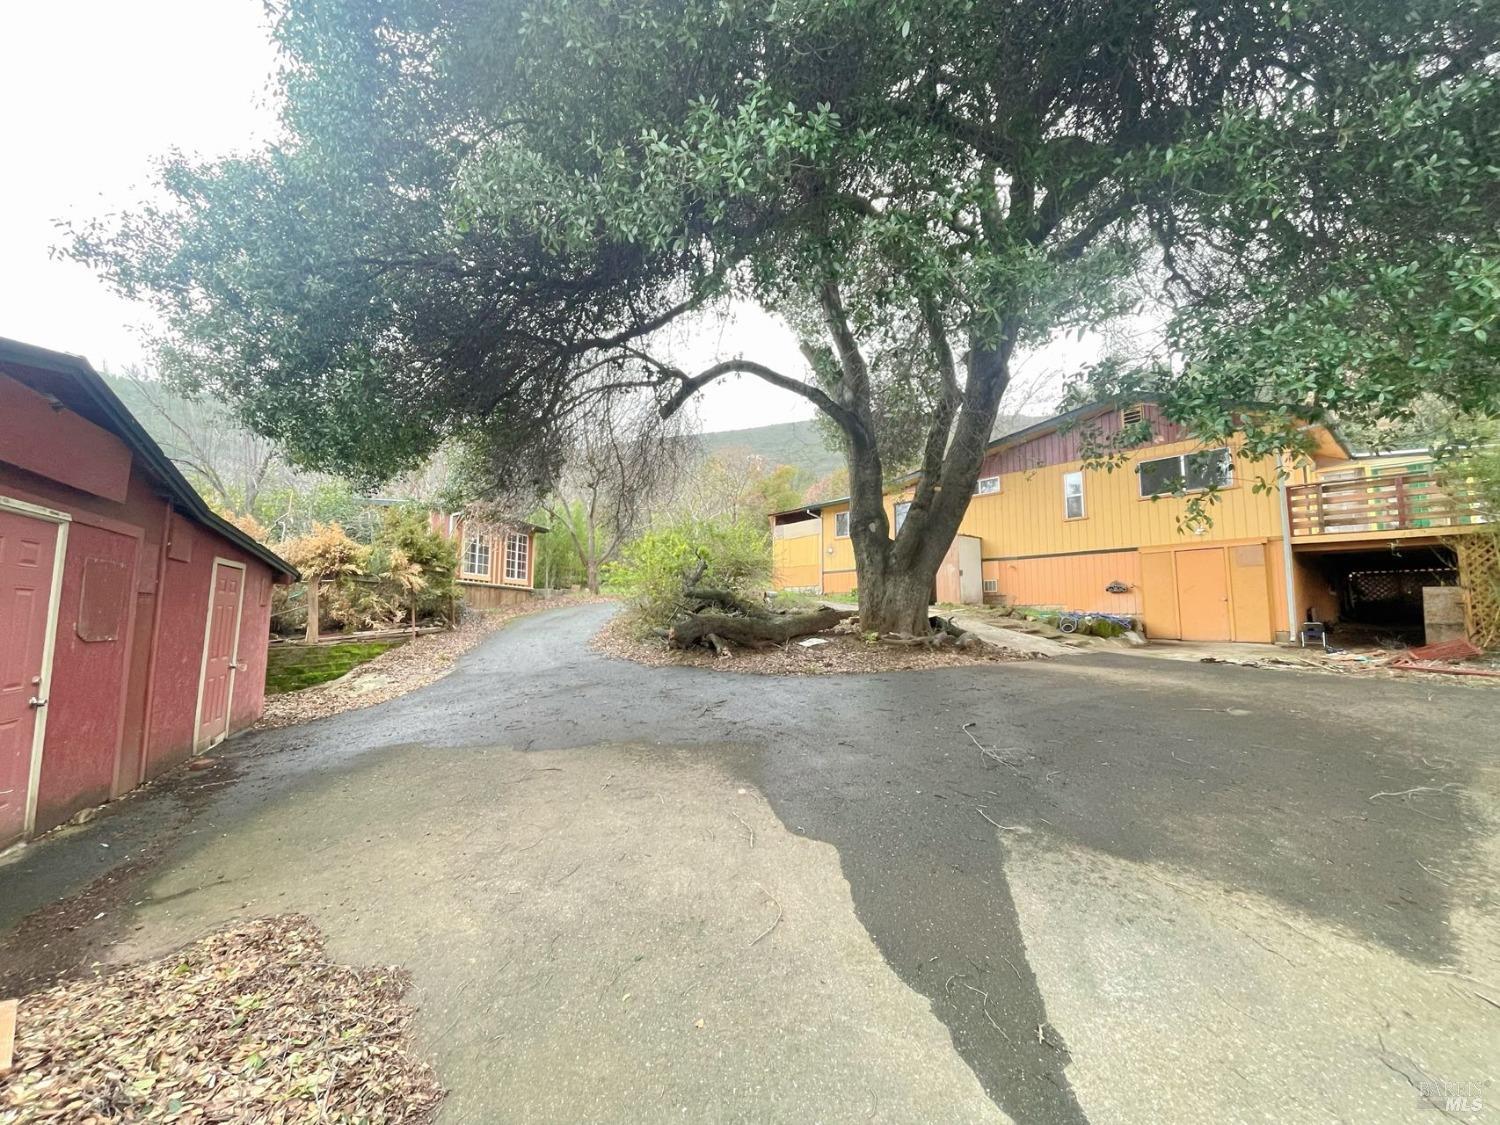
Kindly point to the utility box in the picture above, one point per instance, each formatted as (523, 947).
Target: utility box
(1445, 613)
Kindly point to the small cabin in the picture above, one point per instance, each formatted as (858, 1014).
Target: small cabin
(496, 560)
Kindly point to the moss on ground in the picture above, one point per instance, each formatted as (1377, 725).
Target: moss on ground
(294, 667)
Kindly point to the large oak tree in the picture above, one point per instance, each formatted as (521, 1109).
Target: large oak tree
(482, 211)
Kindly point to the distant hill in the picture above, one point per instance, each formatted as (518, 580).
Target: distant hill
(801, 443)
(784, 443)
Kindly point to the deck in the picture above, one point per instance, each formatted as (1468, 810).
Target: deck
(1395, 506)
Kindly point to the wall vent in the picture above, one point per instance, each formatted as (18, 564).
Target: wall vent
(1132, 415)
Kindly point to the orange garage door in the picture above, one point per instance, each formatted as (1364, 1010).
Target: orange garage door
(1208, 593)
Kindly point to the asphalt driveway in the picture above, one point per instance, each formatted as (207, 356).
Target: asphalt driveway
(1171, 892)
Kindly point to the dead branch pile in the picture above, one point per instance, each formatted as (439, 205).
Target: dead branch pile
(250, 1024)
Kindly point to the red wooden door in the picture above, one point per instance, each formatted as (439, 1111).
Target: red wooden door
(219, 653)
(27, 549)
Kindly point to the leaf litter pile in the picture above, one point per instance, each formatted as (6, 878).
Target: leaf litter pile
(253, 1023)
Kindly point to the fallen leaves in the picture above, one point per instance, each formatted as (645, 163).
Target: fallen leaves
(253, 1023)
(842, 654)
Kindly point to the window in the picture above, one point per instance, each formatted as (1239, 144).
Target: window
(517, 556)
(992, 585)
(841, 525)
(900, 511)
(477, 556)
(1073, 496)
(986, 485)
(1190, 472)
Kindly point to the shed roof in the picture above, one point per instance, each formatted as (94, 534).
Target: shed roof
(95, 401)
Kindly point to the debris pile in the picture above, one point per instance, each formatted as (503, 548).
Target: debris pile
(250, 1024)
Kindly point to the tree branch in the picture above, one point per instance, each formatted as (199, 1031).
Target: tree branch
(691, 385)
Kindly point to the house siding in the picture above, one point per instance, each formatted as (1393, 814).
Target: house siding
(1037, 556)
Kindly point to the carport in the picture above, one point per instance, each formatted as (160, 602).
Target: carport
(1372, 593)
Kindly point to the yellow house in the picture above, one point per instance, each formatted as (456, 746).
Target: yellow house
(1343, 539)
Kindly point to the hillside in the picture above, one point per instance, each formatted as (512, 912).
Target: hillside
(784, 443)
(802, 444)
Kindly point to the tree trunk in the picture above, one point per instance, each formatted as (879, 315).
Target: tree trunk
(896, 576)
(593, 576)
(898, 603)
(696, 628)
(312, 610)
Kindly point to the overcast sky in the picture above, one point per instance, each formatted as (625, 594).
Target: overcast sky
(94, 90)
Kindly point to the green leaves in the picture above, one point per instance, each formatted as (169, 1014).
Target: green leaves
(473, 203)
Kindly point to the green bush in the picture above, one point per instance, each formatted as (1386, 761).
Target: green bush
(414, 563)
(651, 569)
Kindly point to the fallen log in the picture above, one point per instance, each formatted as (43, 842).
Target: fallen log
(779, 628)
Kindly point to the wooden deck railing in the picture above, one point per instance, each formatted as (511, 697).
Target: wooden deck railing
(1398, 502)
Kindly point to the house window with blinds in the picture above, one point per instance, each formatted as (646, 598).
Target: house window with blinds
(477, 556)
(517, 557)
(1188, 472)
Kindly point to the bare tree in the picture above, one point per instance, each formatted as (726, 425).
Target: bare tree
(227, 461)
(618, 460)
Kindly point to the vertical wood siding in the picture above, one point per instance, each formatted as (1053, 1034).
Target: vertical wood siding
(1071, 582)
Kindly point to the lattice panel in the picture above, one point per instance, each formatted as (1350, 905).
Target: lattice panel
(1479, 568)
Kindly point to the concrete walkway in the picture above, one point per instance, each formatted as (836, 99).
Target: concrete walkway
(1173, 892)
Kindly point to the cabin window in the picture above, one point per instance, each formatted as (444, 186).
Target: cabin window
(841, 525)
(992, 585)
(986, 485)
(1073, 496)
(1189, 472)
(517, 556)
(477, 555)
(900, 511)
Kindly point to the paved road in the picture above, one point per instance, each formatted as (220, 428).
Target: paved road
(1174, 892)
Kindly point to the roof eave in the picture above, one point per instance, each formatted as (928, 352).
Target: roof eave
(142, 444)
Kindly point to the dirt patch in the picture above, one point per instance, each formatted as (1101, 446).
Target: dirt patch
(250, 1024)
(842, 654)
(399, 670)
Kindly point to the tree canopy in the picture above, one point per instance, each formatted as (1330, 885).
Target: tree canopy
(480, 213)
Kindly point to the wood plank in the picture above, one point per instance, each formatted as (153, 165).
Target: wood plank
(8, 1011)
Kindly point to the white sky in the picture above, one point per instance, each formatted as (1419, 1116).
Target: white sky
(94, 90)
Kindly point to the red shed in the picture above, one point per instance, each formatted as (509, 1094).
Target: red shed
(133, 620)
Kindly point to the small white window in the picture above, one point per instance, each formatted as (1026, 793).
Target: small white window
(1073, 496)
(841, 525)
(900, 510)
(477, 555)
(986, 485)
(991, 585)
(517, 556)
